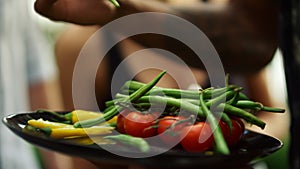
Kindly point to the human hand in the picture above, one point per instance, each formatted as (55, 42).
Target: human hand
(87, 12)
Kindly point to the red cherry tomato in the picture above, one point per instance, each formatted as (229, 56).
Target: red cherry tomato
(140, 125)
(167, 134)
(197, 137)
(232, 137)
(239, 120)
(120, 121)
(236, 133)
(225, 129)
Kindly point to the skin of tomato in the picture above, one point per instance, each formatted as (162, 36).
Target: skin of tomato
(140, 125)
(239, 120)
(236, 133)
(197, 137)
(232, 137)
(120, 121)
(168, 135)
(225, 129)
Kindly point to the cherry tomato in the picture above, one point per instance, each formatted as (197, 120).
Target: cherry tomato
(236, 133)
(225, 129)
(167, 134)
(120, 121)
(197, 137)
(140, 125)
(232, 137)
(239, 120)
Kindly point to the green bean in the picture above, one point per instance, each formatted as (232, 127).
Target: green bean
(116, 109)
(234, 99)
(220, 143)
(115, 2)
(180, 103)
(55, 116)
(92, 122)
(169, 101)
(143, 90)
(242, 96)
(191, 107)
(192, 96)
(248, 104)
(222, 98)
(46, 130)
(272, 109)
(225, 118)
(176, 93)
(111, 103)
(108, 108)
(146, 106)
(130, 86)
(232, 110)
(138, 142)
(219, 99)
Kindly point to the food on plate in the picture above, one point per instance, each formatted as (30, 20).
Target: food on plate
(193, 120)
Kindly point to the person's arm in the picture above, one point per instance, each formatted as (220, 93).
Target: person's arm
(243, 32)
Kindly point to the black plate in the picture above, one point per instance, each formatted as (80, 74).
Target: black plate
(252, 146)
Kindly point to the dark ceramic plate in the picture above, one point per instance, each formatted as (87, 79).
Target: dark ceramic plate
(252, 147)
